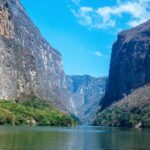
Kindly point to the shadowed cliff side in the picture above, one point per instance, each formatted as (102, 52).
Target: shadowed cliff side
(130, 63)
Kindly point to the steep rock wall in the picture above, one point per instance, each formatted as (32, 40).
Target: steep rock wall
(130, 63)
(28, 64)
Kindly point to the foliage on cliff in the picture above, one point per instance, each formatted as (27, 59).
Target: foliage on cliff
(32, 113)
(129, 111)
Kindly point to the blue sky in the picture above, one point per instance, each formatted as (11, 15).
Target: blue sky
(84, 30)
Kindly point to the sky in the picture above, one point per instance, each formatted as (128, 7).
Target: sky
(85, 30)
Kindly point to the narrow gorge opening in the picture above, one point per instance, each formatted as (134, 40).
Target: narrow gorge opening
(86, 94)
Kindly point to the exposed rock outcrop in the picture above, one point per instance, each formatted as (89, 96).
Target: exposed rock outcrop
(139, 125)
(86, 92)
(6, 24)
(130, 63)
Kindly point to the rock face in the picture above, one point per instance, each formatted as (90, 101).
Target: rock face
(28, 64)
(86, 92)
(130, 63)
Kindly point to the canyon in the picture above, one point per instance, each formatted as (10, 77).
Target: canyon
(30, 66)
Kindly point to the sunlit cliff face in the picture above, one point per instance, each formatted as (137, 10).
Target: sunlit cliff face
(28, 64)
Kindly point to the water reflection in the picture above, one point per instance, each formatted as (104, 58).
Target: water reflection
(79, 138)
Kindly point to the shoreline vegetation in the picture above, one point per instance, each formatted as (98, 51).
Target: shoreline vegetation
(33, 113)
(132, 111)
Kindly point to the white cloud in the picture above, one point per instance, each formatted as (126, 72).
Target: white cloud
(76, 1)
(98, 53)
(108, 16)
(86, 9)
(84, 15)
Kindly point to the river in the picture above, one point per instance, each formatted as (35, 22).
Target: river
(75, 138)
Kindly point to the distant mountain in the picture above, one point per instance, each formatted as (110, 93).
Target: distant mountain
(130, 63)
(86, 92)
(28, 64)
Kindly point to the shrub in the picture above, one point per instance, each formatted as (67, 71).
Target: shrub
(28, 114)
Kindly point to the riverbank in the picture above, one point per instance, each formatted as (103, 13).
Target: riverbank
(33, 113)
(132, 111)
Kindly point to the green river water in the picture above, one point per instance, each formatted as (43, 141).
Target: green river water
(76, 138)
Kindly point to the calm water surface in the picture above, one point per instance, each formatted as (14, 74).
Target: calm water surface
(78, 138)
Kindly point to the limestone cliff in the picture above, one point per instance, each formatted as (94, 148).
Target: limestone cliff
(28, 64)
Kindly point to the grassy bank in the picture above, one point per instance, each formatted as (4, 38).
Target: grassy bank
(32, 113)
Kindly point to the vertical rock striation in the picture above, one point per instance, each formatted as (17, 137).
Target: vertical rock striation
(28, 64)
